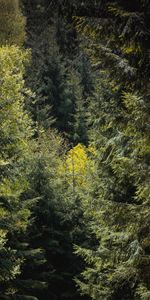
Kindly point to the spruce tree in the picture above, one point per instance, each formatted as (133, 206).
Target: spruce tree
(120, 210)
(58, 222)
(118, 123)
(16, 132)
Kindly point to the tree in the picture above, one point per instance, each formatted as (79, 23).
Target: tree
(119, 212)
(117, 123)
(12, 23)
(49, 77)
(117, 46)
(58, 222)
(16, 132)
(57, 73)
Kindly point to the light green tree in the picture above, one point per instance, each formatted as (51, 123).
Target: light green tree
(16, 132)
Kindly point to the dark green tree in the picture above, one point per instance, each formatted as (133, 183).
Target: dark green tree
(58, 222)
(60, 73)
(118, 124)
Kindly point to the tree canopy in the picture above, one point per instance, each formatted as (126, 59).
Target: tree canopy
(75, 150)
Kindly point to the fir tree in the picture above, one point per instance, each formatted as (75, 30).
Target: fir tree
(120, 213)
(16, 132)
(58, 222)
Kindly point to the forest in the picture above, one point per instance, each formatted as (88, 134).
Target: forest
(74, 150)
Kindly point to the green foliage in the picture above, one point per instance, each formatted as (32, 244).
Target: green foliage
(16, 132)
(58, 222)
(120, 199)
(90, 79)
(59, 74)
(118, 202)
(16, 128)
(49, 78)
(120, 39)
(12, 23)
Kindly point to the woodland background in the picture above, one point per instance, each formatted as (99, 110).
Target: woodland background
(75, 150)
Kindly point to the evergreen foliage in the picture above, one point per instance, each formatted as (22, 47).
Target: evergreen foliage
(16, 132)
(58, 222)
(120, 215)
(57, 73)
(12, 23)
(75, 150)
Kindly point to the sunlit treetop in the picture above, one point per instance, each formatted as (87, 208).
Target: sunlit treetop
(79, 165)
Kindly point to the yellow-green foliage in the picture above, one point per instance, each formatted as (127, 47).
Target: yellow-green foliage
(12, 23)
(79, 165)
(15, 132)
(15, 126)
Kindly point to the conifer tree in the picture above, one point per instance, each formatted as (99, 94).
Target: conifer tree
(120, 214)
(16, 132)
(49, 79)
(119, 130)
(58, 221)
(12, 23)
(57, 73)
